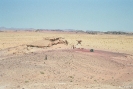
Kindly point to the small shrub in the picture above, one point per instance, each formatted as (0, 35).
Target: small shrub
(95, 80)
(71, 77)
(42, 72)
(45, 57)
(71, 81)
(26, 81)
(91, 50)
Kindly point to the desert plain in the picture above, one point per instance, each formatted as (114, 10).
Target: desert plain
(109, 66)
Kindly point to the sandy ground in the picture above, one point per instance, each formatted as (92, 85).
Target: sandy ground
(115, 43)
(110, 66)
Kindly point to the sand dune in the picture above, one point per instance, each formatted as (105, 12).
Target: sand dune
(110, 66)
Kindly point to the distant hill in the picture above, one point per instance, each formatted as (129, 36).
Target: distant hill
(4, 28)
(67, 30)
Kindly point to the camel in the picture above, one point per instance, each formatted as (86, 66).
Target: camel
(78, 45)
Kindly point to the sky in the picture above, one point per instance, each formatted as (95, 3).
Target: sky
(92, 15)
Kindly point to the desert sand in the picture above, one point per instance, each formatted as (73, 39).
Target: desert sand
(60, 66)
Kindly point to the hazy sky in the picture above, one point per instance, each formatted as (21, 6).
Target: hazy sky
(96, 15)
